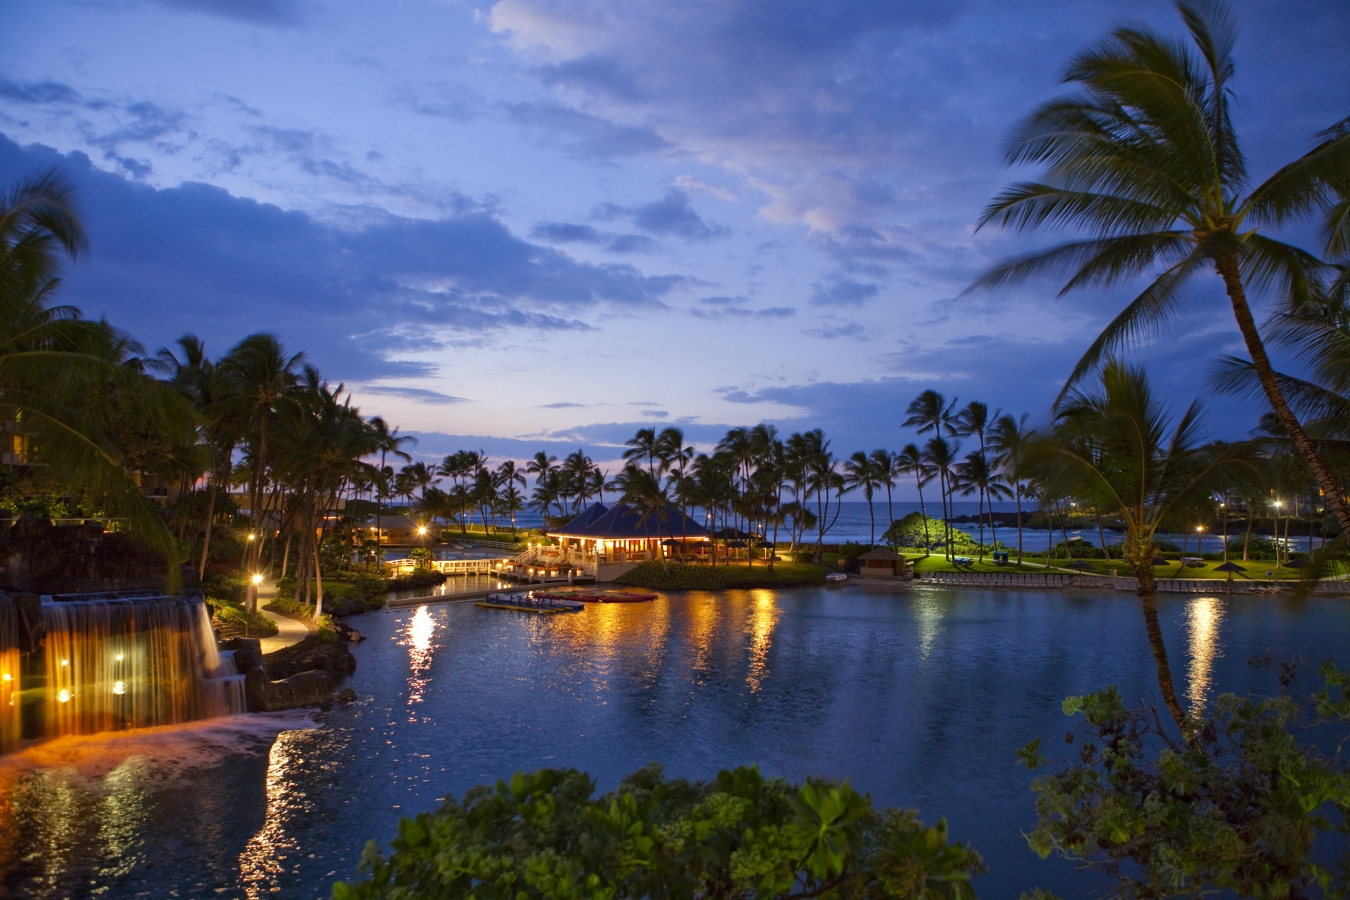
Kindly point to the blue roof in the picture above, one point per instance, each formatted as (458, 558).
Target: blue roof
(622, 523)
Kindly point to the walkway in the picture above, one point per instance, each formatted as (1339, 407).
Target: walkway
(289, 631)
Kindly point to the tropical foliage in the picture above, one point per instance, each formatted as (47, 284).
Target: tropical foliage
(545, 836)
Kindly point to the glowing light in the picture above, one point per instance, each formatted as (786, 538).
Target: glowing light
(6, 677)
(65, 662)
(251, 535)
(257, 579)
(119, 687)
(1204, 616)
(119, 657)
(64, 696)
(421, 529)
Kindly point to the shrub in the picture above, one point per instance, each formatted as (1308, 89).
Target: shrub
(415, 580)
(544, 835)
(1080, 548)
(224, 612)
(672, 577)
(1261, 547)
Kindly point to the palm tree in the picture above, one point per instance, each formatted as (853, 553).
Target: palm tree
(1112, 447)
(888, 471)
(642, 490)
(974, 475)
(973, 421)
(911, 460)
(860, 473)
(1144, 156)
(67, 384)
(1008, 439)
(939, 454)
(643, 445)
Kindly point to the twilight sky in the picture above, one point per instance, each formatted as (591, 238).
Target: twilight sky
(525, 224)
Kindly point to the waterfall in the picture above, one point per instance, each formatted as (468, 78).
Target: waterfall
(113, 662)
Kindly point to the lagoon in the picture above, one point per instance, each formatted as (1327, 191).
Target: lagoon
(918, 695)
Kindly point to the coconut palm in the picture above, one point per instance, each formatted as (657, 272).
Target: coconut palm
(888, 472)
(975, 476)
(1117, 448)
(1144, 157)
(1007, 438)
(68, 385)
(910, 460)
(939, 454)
(860, 473)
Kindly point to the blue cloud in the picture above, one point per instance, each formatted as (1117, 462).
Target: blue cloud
(196, 258)
(673, 216)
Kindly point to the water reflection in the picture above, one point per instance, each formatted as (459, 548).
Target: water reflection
(1203, 617)
(928, 613)
(421, 629)
(262, 863)
(763, 616)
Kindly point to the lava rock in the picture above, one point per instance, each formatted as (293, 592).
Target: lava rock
(313, 688)
(247, 652)
(313, 652)
(346, 695)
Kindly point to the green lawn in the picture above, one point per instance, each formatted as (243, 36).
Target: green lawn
(1251, 569)
(784, 573)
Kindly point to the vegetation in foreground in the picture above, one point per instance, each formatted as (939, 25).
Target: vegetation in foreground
(545, 835)
(673, 577)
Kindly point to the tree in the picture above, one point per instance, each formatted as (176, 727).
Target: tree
(974, 475)
(67, 384)
(1116, 447)
(860, 473)
(910, 460)
(1144, 156)
(1007, 438)
(544, 835)
(888, 466)
(939, 454)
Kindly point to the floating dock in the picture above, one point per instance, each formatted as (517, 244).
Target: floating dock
(530, 603)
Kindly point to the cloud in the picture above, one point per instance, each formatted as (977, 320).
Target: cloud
(566, 405)
(197, 258)
(38, 92)
(590, 136)
(843, 292)
(832, 332)
(655, 413)
(422, 395)
(572, 233)
(260, 12)
(671, 216)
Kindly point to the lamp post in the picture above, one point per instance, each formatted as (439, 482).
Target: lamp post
(1276, 534)
(1223, 517)
(1200, 541)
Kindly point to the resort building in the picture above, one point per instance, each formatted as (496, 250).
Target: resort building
(605, 542)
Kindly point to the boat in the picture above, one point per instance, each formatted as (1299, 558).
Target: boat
(532, 602)
(598, 596)
(836, 577)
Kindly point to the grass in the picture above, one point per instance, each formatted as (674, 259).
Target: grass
(784, 573)
(1254, 569)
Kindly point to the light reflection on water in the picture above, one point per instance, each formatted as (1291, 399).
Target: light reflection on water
(1204, 615)
(919, 697)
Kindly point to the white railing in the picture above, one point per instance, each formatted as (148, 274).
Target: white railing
(451, 566)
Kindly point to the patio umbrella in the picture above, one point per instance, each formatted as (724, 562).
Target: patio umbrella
(737, 545)
(1229, 567)
(1078, 564)
(766, 545)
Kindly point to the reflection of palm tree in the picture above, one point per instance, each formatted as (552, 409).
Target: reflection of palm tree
(1112, 447)
(1145, 157)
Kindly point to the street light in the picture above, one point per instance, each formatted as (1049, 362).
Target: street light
(257, 579)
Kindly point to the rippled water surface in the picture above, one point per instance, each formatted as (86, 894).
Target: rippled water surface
(919, 697)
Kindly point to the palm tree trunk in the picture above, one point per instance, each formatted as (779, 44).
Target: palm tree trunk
(1101, 536)
(318, 584)
(1147, 599)
(923, 514)
(210, 520)
(979, 512)
(1232, 279)
(1018, 487)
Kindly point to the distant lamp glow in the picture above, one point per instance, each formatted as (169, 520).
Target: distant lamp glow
(65, 662)
(64, 696)
(119, 687)
(6, 677)
(257, 579)
(251, 535)
(421, 529)
(119, 657)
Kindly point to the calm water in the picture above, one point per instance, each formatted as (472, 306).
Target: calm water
(919, 697)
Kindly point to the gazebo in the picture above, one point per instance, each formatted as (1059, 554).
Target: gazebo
(619, 537)
(882, 563)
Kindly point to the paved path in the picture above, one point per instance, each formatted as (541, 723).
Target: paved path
(289, 631)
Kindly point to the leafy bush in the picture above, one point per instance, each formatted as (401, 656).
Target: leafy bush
(415, 580)
(673, 577)
(228, 586)
(1261, 547)
(544, 835)
(1237, 804)
(224, 613)
(909, 532)
(1080, 548)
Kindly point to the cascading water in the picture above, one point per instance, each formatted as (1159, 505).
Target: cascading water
(112, 662)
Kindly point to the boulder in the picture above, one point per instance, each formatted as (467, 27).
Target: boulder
(247, 652)
(313, 652)
(347, 695)
(313, 688)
